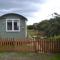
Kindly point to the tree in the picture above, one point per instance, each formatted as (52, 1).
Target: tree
(30, 27)
(51, 27)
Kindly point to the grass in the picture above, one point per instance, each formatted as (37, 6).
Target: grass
(31, 33)
(28, 56)
(55, 37)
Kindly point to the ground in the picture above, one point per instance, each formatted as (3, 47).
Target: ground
(31, 33)
(28, 56)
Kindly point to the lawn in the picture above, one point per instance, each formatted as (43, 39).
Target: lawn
(31, 33)
(28, 56)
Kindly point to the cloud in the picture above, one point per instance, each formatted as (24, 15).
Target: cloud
(26, 7)
(32, 9)
(19, 3)
(46, 10)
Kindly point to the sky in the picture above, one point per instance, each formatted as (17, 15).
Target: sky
(34, 10)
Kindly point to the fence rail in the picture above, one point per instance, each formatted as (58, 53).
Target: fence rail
(39, 45)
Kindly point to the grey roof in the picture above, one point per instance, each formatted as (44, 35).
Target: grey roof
(13, 14)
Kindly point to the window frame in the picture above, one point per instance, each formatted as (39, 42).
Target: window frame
(12, 25)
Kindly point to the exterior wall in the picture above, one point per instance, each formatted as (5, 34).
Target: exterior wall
(4, 34)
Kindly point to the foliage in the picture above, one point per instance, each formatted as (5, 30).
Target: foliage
(50, 27)
(30, 27)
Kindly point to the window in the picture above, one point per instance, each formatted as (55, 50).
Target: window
(12, 25)
(16, 25)
(9, 25)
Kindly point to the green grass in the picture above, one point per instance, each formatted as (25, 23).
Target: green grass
(30, 56)
(55, 37)
(55, 57)
(32, 33)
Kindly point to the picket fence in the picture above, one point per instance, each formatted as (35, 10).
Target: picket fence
(30, 45)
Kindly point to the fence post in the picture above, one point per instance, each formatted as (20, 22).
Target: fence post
(34, 40)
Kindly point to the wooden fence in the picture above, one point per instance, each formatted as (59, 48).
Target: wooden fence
(27, 45)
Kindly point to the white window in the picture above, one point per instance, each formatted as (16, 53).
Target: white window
(12, 25)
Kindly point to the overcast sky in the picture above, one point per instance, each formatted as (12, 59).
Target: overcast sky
(34, 10)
